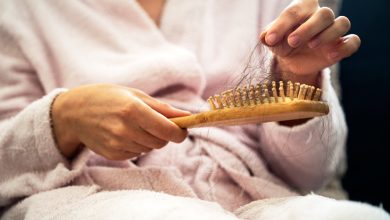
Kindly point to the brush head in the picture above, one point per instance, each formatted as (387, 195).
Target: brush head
(264, 94)
(257, 104)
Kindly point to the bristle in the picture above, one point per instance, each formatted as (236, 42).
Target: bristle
(237, 97)
(263, 93)
(309, 93)
(219, 101)
(296, 90)
(211, 103)
(252, 98)
(274, 92)
(288, 88)
(224, 100)
(231, 98)
(258, 94)
(305, 92)
(245, 96)
(225, 103)
(281, 91)
(227, 98)
(267, 97)
(251, 95)
(302, 92)
(291, 90)
(273, 84)
(317, 95)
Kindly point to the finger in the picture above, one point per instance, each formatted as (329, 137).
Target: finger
(162, 107)
(289, 18)
(338, 29)
(317, 23)
(134, 147)
(348, 46)
(113, 154)
(166, 109)
(126, 132)
(158, 125)
(144, 139)
(129, 145)
(120, 155)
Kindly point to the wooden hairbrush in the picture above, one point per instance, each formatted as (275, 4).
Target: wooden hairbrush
(257, 104)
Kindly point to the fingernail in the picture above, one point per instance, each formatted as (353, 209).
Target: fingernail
(314, 43)
(271, 39)
(294, 41)
(333, 55)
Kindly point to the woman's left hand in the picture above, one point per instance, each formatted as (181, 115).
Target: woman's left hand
(307, 38)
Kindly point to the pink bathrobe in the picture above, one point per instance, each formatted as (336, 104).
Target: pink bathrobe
(47, 47)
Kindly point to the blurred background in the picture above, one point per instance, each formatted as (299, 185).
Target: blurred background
(364, 79)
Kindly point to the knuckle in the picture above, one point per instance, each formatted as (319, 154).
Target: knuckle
(138, 92)
(118, 131)
(311, 4)
(159, 144)
(311, 1)
(164, 105)
(294, 12)
(114, 144)
(327, 14)
(128, 109)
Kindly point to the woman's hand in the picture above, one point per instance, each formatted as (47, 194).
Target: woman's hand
(306, 38)
(114, 121)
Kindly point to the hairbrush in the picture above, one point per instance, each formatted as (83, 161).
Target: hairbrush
(263, 102)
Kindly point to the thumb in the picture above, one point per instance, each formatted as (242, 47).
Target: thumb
(164, 108)
(159, 106)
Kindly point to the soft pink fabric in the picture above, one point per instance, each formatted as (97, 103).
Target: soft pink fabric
(199, 49)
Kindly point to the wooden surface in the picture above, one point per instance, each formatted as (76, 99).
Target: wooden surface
(297, 109)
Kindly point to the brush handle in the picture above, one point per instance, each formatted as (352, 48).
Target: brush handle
(297, 109)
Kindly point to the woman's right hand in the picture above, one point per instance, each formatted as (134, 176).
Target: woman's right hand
(115, 122)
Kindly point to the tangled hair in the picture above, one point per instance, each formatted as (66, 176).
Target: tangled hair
(257, 69)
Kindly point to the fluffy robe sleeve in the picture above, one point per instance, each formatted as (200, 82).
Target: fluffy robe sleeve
(29, 159)
(307, 155)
